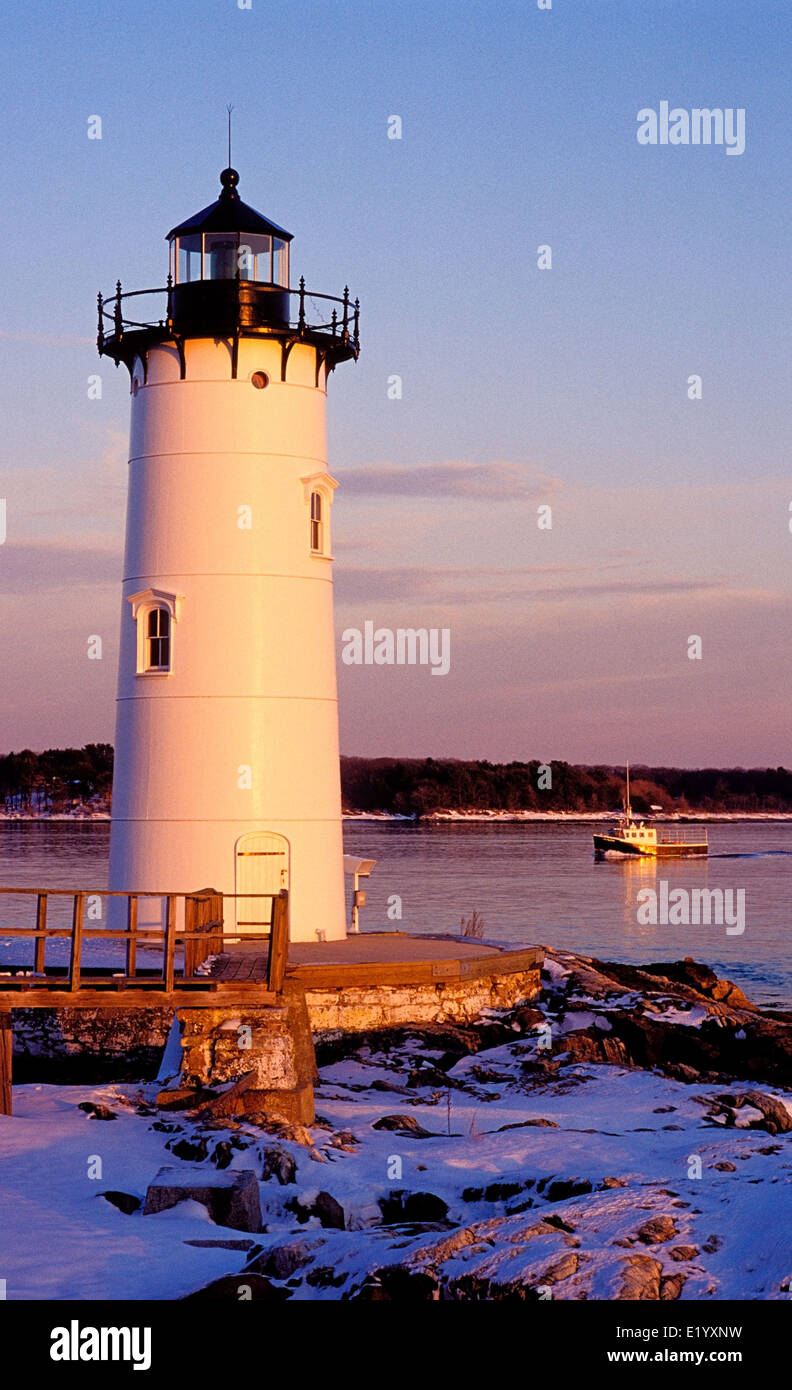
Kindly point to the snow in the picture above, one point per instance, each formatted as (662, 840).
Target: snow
(60, 1239)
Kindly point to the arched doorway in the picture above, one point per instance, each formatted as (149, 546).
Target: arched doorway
(262, 866)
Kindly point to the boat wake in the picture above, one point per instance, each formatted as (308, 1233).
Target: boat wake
(757, 854)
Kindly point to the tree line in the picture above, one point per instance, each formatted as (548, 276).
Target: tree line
(65, 778)
(419, 786)
(59, 779)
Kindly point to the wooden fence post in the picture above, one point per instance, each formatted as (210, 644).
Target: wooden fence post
(170, 942)
(279, 942)
(6, 1045)
(131, 946)
(76, 942)
(41, 941)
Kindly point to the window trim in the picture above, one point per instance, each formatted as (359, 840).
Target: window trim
(142, 604)
(325, 486)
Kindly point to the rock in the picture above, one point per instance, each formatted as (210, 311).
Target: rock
(679, 1071)
(528, 1018)
(558, 1223)
(657, 1231)
(559, 1190)
(613, 1182)
(395, 1284)
(282, 1261)
(230, 1197)
(277, 1162)
(640, 1279)
(725, 1167)
(671, 1286)
(222, 1154)
(245, 1287)
(778, 1120)
(329, 1211)
(528, 1124)
(97, 1112)
(223, 1244)
(560, 1269)
(123, 1200)
(192, 1151)
(711, 1244)
(419, 1207)
(406, 1125)
(683, 1252)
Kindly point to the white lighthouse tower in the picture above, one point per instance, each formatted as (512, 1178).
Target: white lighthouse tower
(226, 747)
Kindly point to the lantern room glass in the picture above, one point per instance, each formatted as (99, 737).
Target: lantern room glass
(218, 255)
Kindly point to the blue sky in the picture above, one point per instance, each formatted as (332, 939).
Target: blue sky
(567, 386)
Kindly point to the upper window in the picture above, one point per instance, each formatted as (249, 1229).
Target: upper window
(155, 613)
(158, 640)
(316, 523)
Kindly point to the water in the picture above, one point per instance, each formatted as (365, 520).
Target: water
(530, 882)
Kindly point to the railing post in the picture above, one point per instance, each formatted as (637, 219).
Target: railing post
(301, 319)
(131, 950)
(170, 942)
(117, 319)
(100, 325)
(334, 323)
(346, 312)
(279, 942)
(191, 912)
(6, 1054)
(41, 941)
(76, 943)
(357, 323)
(170, 300)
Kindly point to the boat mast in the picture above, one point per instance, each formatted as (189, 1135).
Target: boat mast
(628, 807)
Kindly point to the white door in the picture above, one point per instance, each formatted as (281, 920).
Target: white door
(262, 866)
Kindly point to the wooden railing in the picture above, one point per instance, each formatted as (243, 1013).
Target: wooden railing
(202, 936)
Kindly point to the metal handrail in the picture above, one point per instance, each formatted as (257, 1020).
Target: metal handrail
(344, 325)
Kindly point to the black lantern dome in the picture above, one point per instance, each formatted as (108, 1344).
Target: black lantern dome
(225, 243)
(229, 278)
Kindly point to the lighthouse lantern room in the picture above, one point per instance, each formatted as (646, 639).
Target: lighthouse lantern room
(226, 749)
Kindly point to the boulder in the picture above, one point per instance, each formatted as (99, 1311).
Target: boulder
(657, 1231)
(640, 1279)
(417, 1207)
(329, 1211)
(231, 1196)
(277, 1162)
(123, 1200)
(406, 1125)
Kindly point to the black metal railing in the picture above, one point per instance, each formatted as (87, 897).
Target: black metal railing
(342, 322)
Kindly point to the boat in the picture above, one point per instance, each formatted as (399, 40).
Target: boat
(631, 838)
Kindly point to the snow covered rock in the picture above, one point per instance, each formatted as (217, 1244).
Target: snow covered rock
(230, 1196)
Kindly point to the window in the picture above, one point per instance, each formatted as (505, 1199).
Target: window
(189, 266)
(280, 275)
(155, 613)
(318, 489)
(220, 256)
(158, 640)
(316, 522)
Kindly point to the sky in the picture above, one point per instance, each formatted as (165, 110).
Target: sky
(520, 387)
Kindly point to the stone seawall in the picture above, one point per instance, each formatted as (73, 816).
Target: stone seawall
(127, 1044)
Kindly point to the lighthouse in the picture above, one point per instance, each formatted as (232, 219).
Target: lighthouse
(226, 745)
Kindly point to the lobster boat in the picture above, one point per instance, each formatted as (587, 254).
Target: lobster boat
(631, 838)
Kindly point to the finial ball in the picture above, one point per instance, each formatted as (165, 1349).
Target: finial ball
(229, 178)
